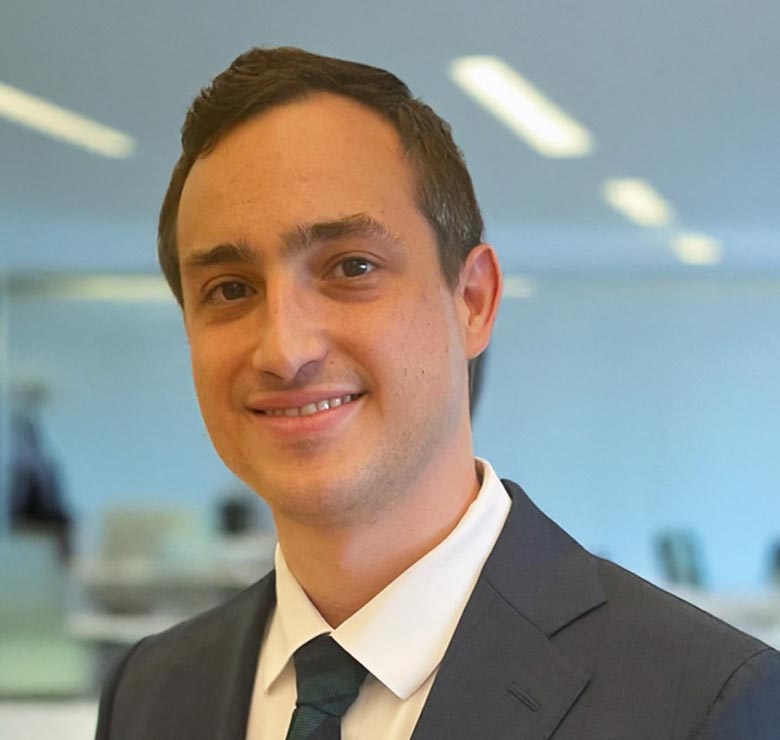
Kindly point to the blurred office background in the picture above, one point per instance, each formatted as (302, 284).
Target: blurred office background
(632, 385)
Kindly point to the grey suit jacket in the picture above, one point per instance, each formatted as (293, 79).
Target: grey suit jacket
(554, 644)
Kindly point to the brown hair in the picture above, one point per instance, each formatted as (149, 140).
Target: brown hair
(260, 79)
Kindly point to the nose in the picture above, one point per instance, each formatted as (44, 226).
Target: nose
(291, 339)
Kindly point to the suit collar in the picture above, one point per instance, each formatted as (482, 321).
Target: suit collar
(502, 676)
(540, 570)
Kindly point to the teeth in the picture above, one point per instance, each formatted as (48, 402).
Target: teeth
(312, 408)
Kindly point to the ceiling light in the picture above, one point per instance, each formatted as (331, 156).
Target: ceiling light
(697, 249)
(638, 201)
(134, 288)
(60, 123)
(515, 101)
(117, 288)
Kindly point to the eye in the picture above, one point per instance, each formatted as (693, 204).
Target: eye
(353, 267)
(229, 291)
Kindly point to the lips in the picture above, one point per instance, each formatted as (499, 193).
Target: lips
(311, 408)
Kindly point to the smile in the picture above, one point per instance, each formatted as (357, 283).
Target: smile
(313, 408)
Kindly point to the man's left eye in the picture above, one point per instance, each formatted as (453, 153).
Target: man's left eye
(354, 267)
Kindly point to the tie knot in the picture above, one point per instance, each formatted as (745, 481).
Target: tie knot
(328, 678)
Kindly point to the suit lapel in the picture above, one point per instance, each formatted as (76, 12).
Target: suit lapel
(231, 664)
(495, 686)
(502, 677)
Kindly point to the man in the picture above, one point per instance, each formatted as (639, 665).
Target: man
(321, 234)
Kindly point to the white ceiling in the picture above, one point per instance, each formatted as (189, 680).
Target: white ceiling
(683, 93)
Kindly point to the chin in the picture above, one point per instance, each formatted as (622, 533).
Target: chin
(310, 500)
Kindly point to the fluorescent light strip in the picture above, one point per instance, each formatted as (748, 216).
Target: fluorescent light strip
(112, 288)
(60, 123)
(697, 249)
(521, 106)
(519, 286)
(638, 202)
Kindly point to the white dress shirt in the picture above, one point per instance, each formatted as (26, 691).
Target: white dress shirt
(400, 636)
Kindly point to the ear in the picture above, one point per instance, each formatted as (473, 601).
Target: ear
(479, 293)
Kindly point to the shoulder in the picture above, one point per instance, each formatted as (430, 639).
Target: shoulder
(656, 665)
(208, 636)
(702, 672)
(648, 610)
(547, 573)
(212, 655)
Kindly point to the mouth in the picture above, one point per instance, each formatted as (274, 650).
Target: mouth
(310, 409)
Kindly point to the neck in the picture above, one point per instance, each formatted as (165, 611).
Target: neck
(342, 567)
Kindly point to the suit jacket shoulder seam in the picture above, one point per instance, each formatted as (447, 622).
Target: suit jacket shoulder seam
(702, 612)
(725, 685)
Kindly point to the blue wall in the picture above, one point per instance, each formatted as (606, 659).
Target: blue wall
(630, 406)
(623, 406)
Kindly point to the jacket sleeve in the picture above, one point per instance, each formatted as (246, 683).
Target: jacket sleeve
(748, 706)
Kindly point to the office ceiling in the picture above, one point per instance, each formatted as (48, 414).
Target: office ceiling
(682, 93)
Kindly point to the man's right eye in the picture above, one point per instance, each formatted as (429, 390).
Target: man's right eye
(231, 290)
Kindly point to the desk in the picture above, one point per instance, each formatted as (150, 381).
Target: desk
(180, 583)
(118, 629)
(39, 720)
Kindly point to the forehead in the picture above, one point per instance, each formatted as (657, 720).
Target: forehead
(320, 158)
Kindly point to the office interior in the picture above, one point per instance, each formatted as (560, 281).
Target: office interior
(632, 383)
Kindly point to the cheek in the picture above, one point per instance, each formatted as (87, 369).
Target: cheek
(423, 350)
(203, 390)
(210, 371)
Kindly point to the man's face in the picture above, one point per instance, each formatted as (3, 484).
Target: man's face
(328, 352)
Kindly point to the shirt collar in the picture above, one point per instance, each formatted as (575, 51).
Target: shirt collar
(401, 635)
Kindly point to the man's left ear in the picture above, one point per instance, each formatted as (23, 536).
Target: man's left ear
(479, 293)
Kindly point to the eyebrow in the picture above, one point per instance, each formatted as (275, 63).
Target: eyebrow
(222, 254)
(305, 236)
(301, 238)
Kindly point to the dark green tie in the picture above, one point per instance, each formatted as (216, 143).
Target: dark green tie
(328, 680)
